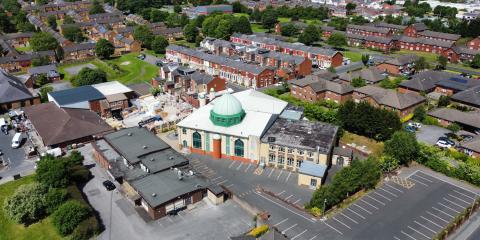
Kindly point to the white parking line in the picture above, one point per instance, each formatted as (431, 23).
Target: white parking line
(280, 193)
(463, 194)
(288, 209)
(298, 235)
(246, 170)
(459, 199)
(356, 213)
(222, 182)
(437, 217)
(419, 182)
(376, 200)
(231, 164)
(425, 227)
(290, 173)
(447, 207)
(392, 187)
(454, 203)
(280, 222)
(216, 178)
(443, 212)
(349, 218)
(475, 194)
(382, 196)
(368, 204)
(363, 208)
(294, 225)
(333, 228)
(228, 186)
(288, 197)
(432, 222)
(408, 235)
(418, 232)
(313, 237)
(411, 174)
(341, 223)
(297, 201)
(428, 180)
(278, 177)
(240, 166)
(395, 195)
(270, 173)
(396, 238)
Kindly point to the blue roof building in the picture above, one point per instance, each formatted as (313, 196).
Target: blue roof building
(80, 98)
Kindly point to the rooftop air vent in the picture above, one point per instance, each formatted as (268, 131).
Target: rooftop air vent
(171, 157)
(145, 147)
(130, 134)
(152, 159)
(154, 194)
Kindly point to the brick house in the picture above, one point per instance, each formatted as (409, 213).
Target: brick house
(446, 116)
(366, 30)
(401, 103)
(455, 84)
(474, 44)
(373, 42)
(371, 75)
(298, 24)
(469, 97)
(84, 97)
(19, 39)
(313, 88)
(79, 51)
(424, 82)
(414, 29)
(14, 94)
(399, 65)
(439, 36)
(396, 29)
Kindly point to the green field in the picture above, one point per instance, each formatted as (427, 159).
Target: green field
(24, 49)
(284, 20)
(430, 57)
(184, 43)
(354, 56)
(240, 15)
(132, 69)
(258, 28)
(9, 230)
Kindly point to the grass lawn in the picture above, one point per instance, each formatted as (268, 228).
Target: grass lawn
(42, 230)
(24, 49)
(151, 52)
(354, 56)
(430, 57)
(284, 19)
(241, 15)
(375, 147)
(184, 42)
(258, 28)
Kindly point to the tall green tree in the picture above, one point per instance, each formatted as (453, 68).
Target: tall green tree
(52, 172)
(337, 40)
(289, 30)
(159, 44)
(190, 32)
(52, 21)
(403, 146)
(350, 7)
(143, 34)
(68, 20)
(104, 49)
(5, 24)
(73, 33)
(422, 64)
(310, 35)
(68, 216)
(96, 8)
(241, 25)
(358, 82)
(365, 58)
(269, 18)
(42, 41)
(88, 76)
(476, 61)
(442, 61)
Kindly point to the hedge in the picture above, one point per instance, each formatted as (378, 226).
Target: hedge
(259, 231)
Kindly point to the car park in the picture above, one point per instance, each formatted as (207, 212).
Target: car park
(17, 140)
(448, 140)
(109, 185)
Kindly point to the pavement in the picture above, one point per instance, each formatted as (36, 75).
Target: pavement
(123, 221)
(151, 59)
(429, 134)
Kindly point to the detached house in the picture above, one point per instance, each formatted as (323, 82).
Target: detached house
(314, 88)
(371, 75)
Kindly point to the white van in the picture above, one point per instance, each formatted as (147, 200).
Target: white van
(17, 140)
(2, 122)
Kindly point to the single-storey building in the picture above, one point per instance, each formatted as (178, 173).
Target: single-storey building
(14, 94)
(467, 120)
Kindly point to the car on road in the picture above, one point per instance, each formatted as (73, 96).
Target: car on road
(411, 129)
(108, 185)
(416, 125)
(141, 56)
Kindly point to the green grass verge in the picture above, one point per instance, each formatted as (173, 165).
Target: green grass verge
(9, 230)
(24, 49)
(151, 52)
(258, 28)
(430, 57)
(184, 43)
(241, 15)
(284, 19)
(354, 56)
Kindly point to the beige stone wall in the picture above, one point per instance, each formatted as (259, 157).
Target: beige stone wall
(296, 154)
(215, 200)
(304, 180)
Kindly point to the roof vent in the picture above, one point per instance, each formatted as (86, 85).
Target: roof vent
(309, 132)
(130, 134)
(154, 194)
(171, 157)
(145, 147)
(152, 159)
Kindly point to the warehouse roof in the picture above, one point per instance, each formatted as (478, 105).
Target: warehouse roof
(76, 95)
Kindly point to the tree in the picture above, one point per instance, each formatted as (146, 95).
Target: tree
(442, 61)
(43, 41)
(27, 204)
(44, 93)
(256, 15)
(358, 82)
(403, 146)
(40, 61)
(365, 59)
(52, 172)
(237, 7)
(269, 18)
(177, 9)
(337, 40)
(67, 217)
(159, 44)
(73, 33)
(310, 35)
(350, 7)
(223, 30)
(190, 32)
(52, 21)
(88, 76)
(41, 2)
(68, 20)
(5, 24)
(96, 8)
(54, 198)
(143, 34)
(104, 48)
(443, 101)
(41, 80)
(476, 61)
(289, 30)
(421, 64)
(419, 113)
(241, 25)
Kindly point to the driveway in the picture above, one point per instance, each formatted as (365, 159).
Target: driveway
(429, 134)
(151, 59)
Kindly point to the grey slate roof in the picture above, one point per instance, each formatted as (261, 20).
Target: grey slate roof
(42, 69)
(312, 169)
(473, 144)
(458, 83)
(426, 81)
(301, 134)
(391, 98)
(370, 75)
(403, 60)
(350, 67)
(75, 95)
(12, 89)
(448, 36)
(388, 25)
(426, 41)
(201, 78)
(470, 96)
(368, 28)
(79, 47)
(384, 40)
(454, 115)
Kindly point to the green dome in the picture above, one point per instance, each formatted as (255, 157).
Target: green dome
(227, 111)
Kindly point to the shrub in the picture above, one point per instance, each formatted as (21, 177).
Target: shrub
(86, 229)
(68, 216)
(406, 118)
(27, 204)
(54, 198)
(52, 172)
(403, 146)
(76, 158)
(259, 231)
(430, 121)
(79, 174)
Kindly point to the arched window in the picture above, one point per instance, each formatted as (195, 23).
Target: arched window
(185, 144)
(239, 148)
(197, 140)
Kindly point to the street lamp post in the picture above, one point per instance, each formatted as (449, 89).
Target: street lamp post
(324, 206)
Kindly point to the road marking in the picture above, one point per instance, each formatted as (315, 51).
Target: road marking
(288, 209)
(349, 218)
(443, 212)
(382, 196)
(454, 203)
(216, 178)
(411, 174)
(475, 194)
(395, 195)
(363, 208)
(297, 201)
(408, 235)
(313, 237)
(228, 186)
(425, 227)
(459, 199)
(246, 170)
(341, 223)
(240, 166)
(419, 232)
(432, 222)
(298, 235)
(286, 180)
(270, 173)
(437, 217)
(284, 231)
(333, 228)
(280, 193)
(231, 164)
(288, 197)
(447, 207)
(222, 182)
(464, 194)
(280, 222)
(368, 204)
(355, 213)
(428, 180)
(396, 238)
(278, 177)
(394, 188)
(419, 182)
(376, 200)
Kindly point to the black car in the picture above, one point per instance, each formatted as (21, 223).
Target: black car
(109, 185)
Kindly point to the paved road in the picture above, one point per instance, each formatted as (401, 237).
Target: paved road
(429, 134)
(151, 59)
(463, 70)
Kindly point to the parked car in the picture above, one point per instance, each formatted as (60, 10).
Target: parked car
(411, 129)
(416, 125)
(108, 185)
(141, 56)
(448, 140)
(1, 153)
(466, 137)
(443, 144)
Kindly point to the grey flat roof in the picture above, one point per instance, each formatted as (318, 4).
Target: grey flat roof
(312, 169)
